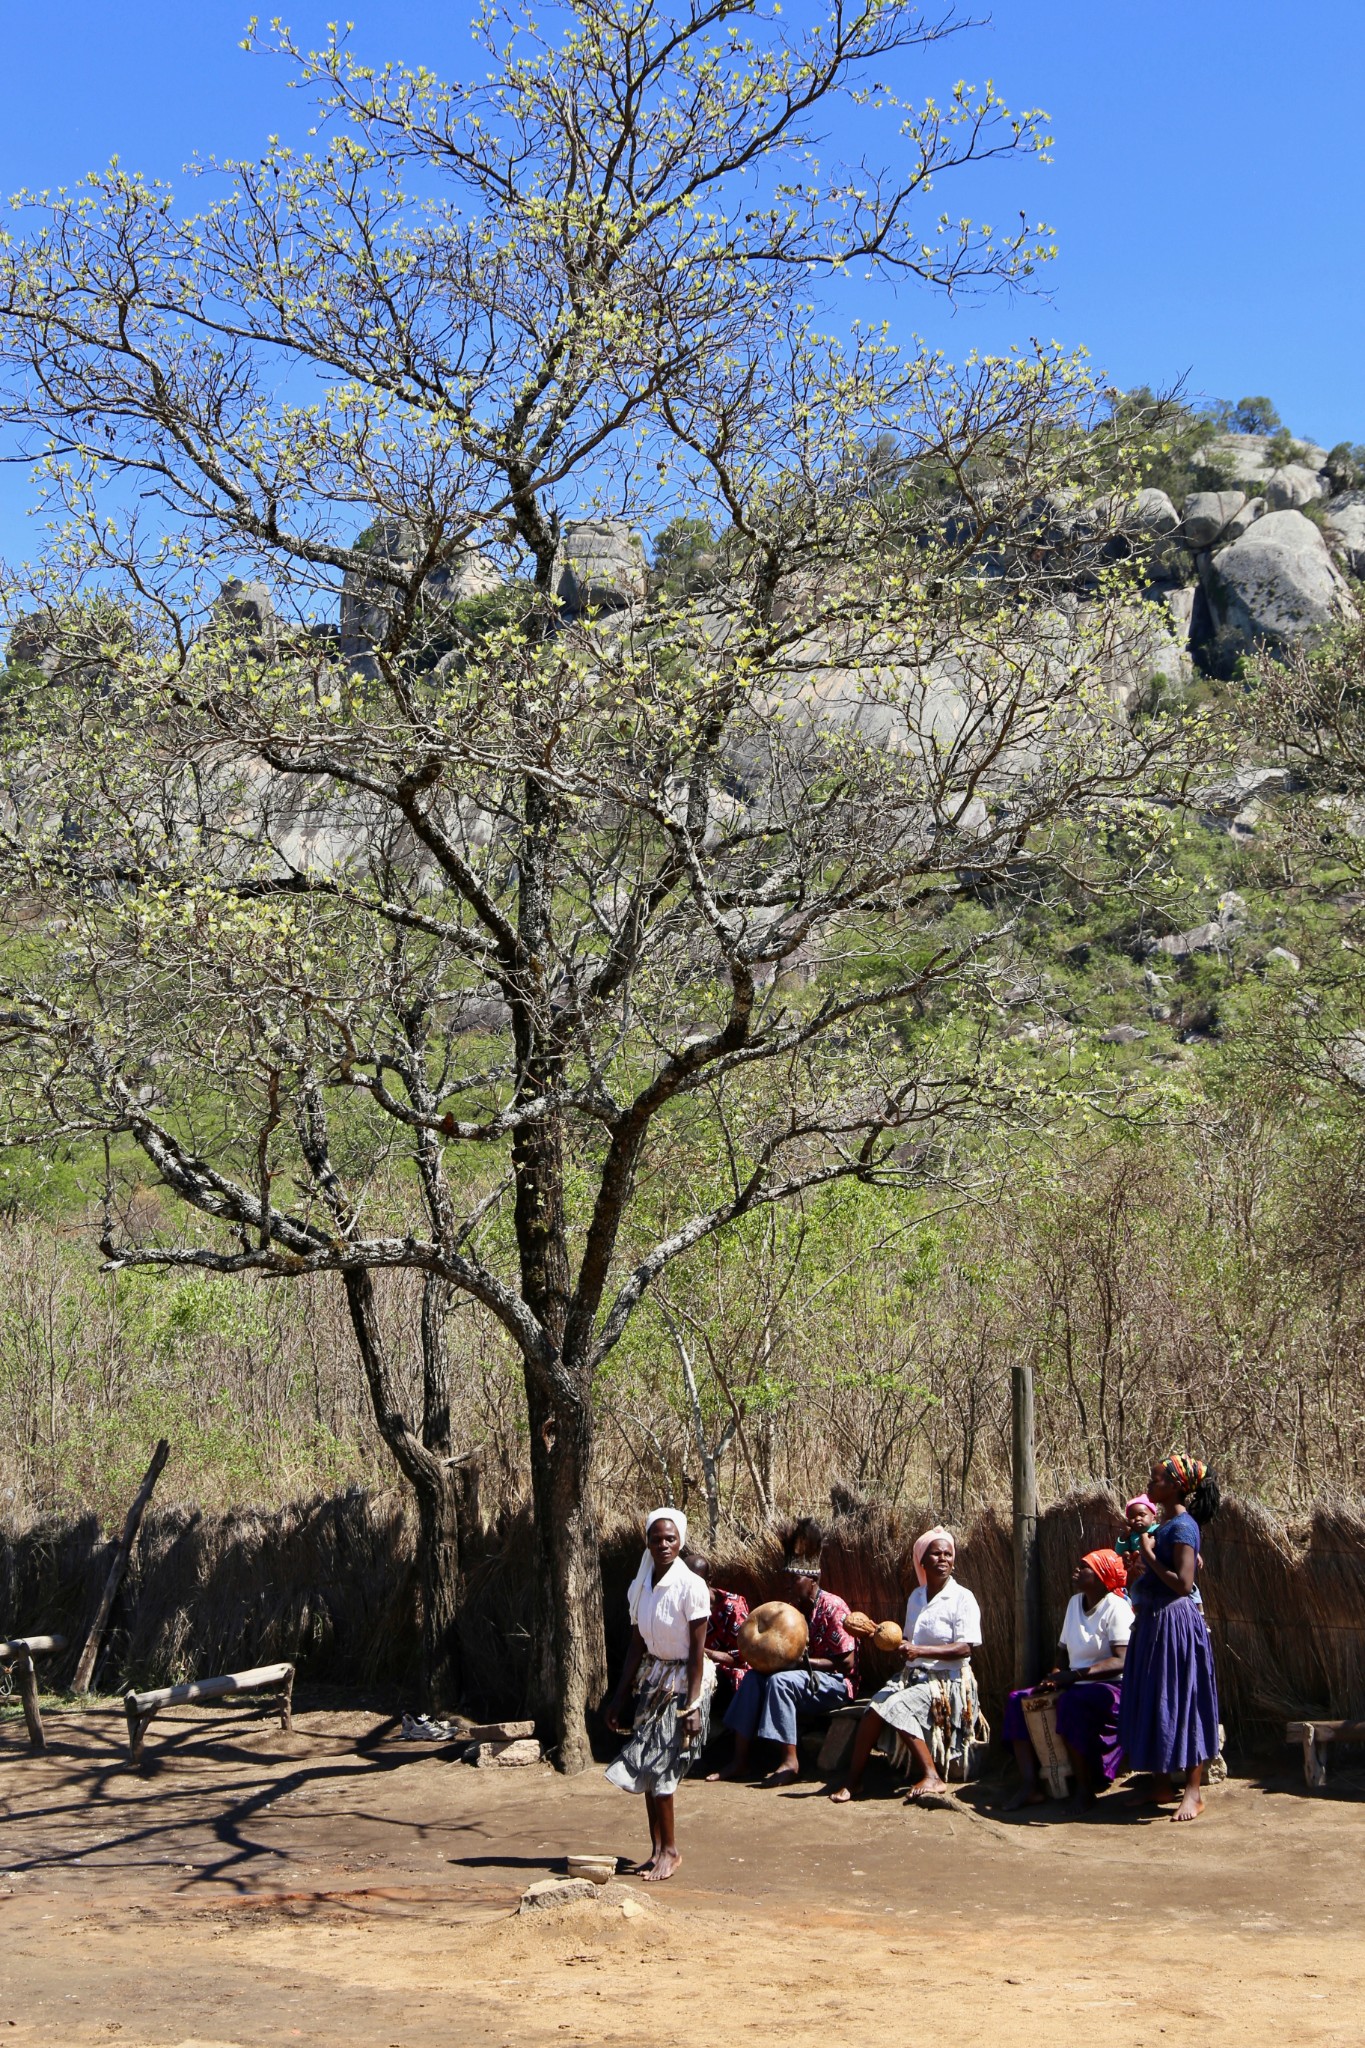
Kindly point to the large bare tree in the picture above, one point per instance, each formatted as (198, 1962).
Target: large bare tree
(513, 942)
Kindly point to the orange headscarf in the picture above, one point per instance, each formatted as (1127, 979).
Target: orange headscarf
(1108, 1568)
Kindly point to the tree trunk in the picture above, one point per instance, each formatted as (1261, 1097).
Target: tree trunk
(568, 1675)
(570, 1672)
(438, 1573)
(431, 1473)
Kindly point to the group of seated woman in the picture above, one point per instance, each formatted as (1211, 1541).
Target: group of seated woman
(688, 1647)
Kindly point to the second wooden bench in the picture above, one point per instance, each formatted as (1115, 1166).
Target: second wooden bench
(142, 1707)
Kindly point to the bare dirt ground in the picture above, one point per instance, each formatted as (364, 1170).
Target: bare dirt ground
(245, 1888)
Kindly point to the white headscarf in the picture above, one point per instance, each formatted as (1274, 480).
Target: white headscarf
(644, 1577)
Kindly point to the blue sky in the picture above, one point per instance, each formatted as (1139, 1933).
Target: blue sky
(1208, 187)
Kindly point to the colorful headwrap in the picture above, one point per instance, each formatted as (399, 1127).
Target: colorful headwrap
(1186, 1472)
(1108, 1568)
(922, 1544)
(1143, 1501)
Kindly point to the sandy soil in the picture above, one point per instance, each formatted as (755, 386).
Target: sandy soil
(333, 1886)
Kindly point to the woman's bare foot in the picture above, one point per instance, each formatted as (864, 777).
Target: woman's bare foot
(1191, 1806)
(929, 1788)
(639, 1869)
(1025, 1796)
(786, 1775)
(1080, 1802)
(843, 1793)
(664, 1866)
(731, 1775)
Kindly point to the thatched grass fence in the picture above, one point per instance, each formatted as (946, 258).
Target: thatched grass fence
(329, 1584)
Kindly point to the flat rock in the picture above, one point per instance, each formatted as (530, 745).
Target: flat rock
(1282, 957)
(1122, 1034)
(504, 1755)
(556, 1891)
(498, 1731)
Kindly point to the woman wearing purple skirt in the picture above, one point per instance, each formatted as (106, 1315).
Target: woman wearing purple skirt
(1168, 1718)
(1094, 1641)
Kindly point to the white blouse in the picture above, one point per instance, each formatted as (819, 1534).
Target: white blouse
(952, 1616)
(1088, 1637)
(667, 1607)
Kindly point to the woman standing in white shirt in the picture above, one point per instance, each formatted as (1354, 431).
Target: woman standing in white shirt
(670, 1609)
(933, 1702)
(1086, 1678)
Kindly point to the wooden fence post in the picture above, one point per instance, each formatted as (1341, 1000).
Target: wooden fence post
(85, 1669)
(1027, 1586)
(28, 1695)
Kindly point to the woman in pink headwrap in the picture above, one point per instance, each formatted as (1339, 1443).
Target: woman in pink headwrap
(932, 1705)
(1087, 1678)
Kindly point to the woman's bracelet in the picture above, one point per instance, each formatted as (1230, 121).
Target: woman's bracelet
(691, 1707)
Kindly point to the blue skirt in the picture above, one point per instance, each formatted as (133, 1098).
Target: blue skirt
(1168, 1708)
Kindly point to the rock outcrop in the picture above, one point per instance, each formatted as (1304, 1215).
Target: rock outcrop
(599, 567)
(1214, 937)
(247, 610)
(1277, 585)
(1344, 525)
(1246, 459)
(1154, 514)
(1206, 516)
(368, 603)
(1290, 488)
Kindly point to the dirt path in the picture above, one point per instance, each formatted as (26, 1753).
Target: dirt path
(247, 1888)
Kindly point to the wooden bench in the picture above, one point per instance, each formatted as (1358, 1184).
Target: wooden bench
(141, 1707)
(1315, 1736)
(19, 1652)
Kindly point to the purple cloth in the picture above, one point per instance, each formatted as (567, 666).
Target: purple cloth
(1168, 1715)
(1014, 1728)
(1087, 1720)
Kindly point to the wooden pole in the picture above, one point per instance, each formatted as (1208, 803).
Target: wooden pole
(1027, 1587)
(85, 1669)
(28, 1693)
